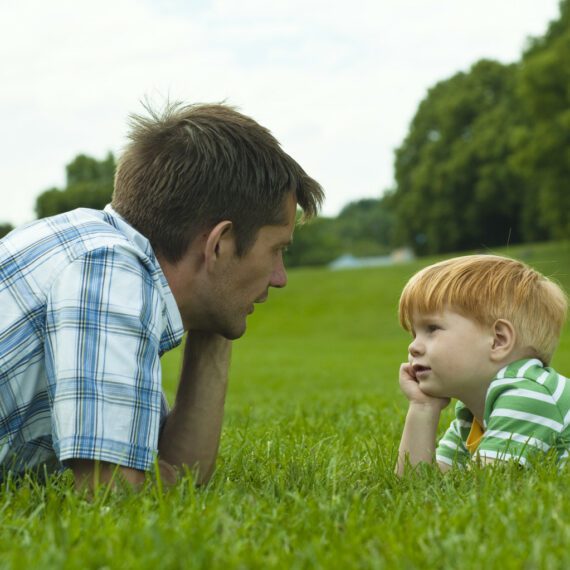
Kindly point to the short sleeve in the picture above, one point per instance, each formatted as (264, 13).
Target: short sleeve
(451, 447)
(102, 360)
(524, 421)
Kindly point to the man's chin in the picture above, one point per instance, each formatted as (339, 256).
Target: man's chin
(233, 333)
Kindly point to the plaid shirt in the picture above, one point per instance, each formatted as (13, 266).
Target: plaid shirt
(85, 314)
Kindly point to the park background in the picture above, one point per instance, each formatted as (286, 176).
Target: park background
(305, 474)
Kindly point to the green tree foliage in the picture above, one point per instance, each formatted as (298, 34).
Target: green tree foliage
(486, 161)
(455, 187)
(89, 184)
(543, 154)
(5, 229)
(315, 243)
(365, 227)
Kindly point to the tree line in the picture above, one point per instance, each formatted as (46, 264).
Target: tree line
(485, 163)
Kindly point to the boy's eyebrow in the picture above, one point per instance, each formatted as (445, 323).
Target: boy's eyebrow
(420, 319)
(429, 316)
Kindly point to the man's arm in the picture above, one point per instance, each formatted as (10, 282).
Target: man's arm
(191, 434)
(418, 437)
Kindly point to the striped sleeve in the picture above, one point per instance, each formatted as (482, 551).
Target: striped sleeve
(102, 359)
(525, 419)
(451, 447)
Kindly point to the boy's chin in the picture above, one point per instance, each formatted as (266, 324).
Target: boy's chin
(432, 393)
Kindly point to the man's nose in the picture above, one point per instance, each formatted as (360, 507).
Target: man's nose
(279, 275)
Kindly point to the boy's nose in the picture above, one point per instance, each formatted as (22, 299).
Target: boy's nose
(415, 348)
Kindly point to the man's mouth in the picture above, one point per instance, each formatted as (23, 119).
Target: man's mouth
(261, 299)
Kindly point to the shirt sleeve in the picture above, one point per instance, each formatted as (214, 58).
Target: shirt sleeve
(451, 447)
(524, 421)
(102, 360)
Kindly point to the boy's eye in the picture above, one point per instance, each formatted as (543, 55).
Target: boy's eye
(432, 328)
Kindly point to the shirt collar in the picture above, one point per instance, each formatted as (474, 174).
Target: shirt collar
(174, 329)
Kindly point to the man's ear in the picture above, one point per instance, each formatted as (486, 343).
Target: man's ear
(504, 339)
(220, 244)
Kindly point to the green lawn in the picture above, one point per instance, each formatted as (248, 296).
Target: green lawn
(305, 473)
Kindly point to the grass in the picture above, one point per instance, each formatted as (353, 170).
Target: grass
(305, 473)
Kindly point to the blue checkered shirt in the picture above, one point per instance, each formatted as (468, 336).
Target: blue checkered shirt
(85, 314)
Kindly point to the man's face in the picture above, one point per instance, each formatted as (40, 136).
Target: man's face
(245, 281)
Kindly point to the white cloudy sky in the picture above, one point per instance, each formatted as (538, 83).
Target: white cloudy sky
(337, 82)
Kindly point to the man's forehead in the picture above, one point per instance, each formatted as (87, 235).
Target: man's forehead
(282, 233)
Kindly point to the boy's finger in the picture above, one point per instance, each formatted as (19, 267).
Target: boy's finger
(408, 370)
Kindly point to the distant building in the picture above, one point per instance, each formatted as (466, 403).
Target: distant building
(348, 261)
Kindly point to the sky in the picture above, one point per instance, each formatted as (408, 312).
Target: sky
(336, 82)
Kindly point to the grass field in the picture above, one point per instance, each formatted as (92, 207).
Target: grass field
(305, 473)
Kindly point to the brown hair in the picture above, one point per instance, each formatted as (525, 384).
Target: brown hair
(490, 287)
(191, 166)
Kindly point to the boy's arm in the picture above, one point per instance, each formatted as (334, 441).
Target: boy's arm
(418, 438)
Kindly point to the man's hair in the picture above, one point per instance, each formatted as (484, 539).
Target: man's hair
(188, 167)
(490, 287)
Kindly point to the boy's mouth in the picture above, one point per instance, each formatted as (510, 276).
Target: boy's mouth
(420, 370)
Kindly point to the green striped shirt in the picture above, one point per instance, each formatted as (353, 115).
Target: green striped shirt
(527, 410)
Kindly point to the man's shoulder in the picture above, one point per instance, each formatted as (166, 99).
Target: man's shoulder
(74, 227)
(63, 238)
(34, 256)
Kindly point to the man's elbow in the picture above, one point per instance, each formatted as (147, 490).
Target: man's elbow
(90, 474)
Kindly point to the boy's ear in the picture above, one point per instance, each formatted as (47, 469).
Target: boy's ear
(504, 339)
(220, 244)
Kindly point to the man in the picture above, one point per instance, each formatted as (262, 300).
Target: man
(203, 207)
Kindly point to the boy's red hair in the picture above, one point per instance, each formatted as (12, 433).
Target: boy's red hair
(490, 287)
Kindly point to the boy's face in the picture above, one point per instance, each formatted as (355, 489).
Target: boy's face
(450, 354)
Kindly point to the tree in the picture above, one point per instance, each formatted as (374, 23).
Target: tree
(455, 186)
(365, 227)
(89, 184)
(315, 243)
(543, 152)
(5, 229)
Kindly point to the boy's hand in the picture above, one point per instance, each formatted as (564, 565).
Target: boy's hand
(418, 438)
(409, 385)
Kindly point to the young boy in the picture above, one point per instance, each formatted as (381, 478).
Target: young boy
(484, 331)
